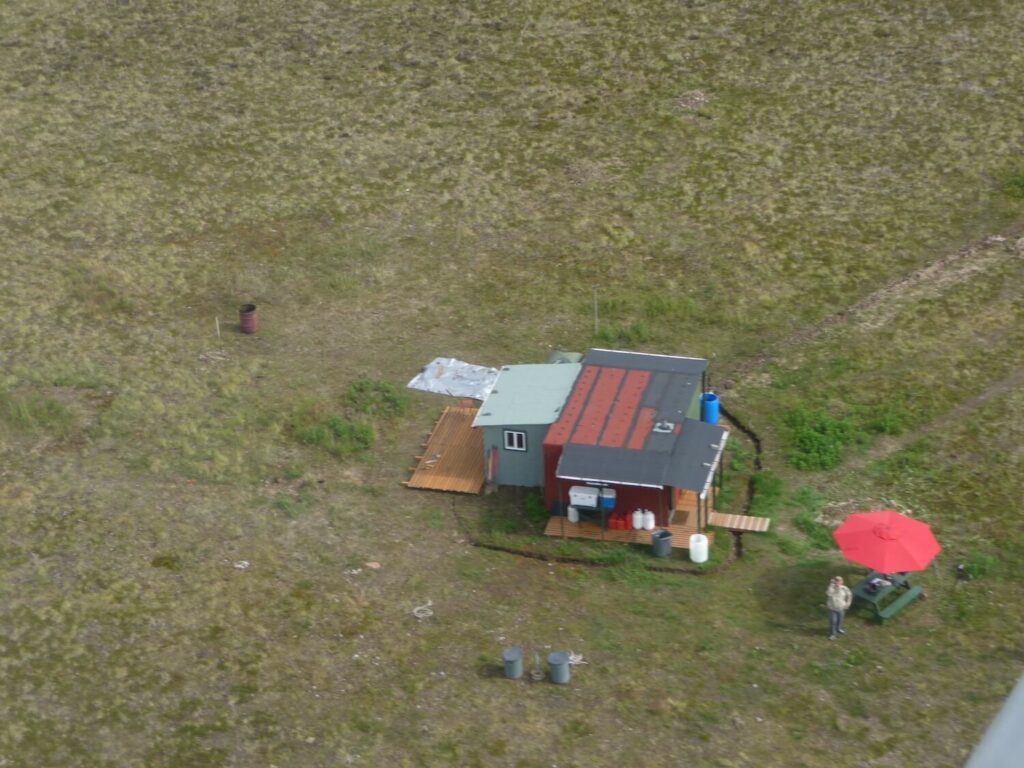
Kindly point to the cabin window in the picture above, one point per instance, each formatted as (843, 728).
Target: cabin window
(515, 441)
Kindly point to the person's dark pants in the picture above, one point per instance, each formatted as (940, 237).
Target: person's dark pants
(835, 622)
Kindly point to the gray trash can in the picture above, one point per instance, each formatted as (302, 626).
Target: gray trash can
(513, 658)
(661, 543)
(559, 663)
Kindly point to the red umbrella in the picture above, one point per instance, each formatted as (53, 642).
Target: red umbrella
(887, 541)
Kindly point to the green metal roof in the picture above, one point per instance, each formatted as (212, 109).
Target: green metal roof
(528, 394)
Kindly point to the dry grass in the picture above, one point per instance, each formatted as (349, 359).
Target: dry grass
(389, 182)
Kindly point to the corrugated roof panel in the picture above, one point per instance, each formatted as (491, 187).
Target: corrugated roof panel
(528, 394)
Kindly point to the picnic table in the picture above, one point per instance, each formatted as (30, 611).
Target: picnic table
(877, 600)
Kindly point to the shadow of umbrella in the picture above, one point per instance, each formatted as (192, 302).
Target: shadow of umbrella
(793, 596)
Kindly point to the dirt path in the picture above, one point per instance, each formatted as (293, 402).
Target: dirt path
(890, 445)
(881, 306)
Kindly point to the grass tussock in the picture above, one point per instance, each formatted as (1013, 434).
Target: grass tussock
(34, 414)
(803, 196)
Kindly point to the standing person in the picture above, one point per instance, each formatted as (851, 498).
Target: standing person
(838, 600)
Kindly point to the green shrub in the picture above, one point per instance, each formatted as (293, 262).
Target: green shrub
(338, 435)
(886, 422)
(1012, 184)
(348, 436)
(314, 434)
(375, 398)
(816, 440)
(980, 564)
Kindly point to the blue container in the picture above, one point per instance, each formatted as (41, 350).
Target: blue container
(607, 498)
(709, 407)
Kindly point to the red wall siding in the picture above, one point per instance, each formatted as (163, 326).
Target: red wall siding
(552, 454)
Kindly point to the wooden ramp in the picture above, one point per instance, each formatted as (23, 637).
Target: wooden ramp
(744, 523)
(453, 456)
(561, 527)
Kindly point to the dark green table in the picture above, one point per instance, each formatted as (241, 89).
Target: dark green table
(879, 602)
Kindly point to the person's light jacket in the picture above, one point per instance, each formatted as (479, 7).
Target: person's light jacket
(839, 597)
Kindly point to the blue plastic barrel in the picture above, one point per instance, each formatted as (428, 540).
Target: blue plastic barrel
(709, 407)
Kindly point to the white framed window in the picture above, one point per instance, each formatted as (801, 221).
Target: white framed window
(515, 441)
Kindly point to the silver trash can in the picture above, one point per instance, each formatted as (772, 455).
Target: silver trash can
(559, 663)
(513, 658)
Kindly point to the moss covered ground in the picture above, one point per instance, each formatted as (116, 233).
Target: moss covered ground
(821, 197)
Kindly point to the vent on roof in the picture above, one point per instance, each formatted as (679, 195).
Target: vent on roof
(664, 427)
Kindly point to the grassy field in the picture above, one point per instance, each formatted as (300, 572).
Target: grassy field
(825, 199)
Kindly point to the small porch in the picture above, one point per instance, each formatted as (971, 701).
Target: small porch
(688, 516)
(561, 527)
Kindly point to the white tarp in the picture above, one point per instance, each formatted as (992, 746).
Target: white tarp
(448, 376)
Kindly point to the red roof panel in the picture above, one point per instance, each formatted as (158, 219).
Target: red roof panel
(591, 423)
(624, 410)
(560, 431)
(643, 428)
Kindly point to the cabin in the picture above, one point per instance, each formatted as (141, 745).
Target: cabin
(602, 436)
(631, 432)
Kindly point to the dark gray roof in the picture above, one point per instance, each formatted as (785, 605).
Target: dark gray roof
(681, 461)
(643, 361)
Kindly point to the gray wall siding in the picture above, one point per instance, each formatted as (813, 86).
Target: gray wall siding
(523, 468)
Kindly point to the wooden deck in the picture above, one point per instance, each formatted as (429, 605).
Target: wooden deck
(745, 523)
(561, 527)
(453, 456)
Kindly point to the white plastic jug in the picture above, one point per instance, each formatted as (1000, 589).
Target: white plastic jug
(698, 548)
(648, 520)
(638, 519)
(574, 515)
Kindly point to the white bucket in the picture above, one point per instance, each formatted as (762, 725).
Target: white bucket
(574, 515)
(698, 548)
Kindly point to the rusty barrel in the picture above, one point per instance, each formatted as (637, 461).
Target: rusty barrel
(247, 318)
